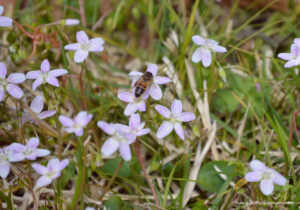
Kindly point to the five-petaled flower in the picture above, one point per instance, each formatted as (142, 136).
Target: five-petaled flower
(293, 57)
(203, 53)
(7, 155)
(134, 103)
(265, 175)
(76, 126)
(120, 139)
(175, 117)
(136, 127)
(8, 84)
(4, 21)
(36, 107)
(30, 150)
(44, 75)
(154, 90)
(84, 46)
(49, 173)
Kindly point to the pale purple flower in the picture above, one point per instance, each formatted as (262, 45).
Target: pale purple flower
(175, 118)
(136, 127)
(77, 124)
(154, 90)
(36, 107)
(85, 45)
(4, 21)
(120, 139)
(44, 75)
(7, 155)
(293, 57)
(70, 22)
(134, 103)
(203, 53)
(8, 84)
(49, 173)
(265, 175)
(30, 150)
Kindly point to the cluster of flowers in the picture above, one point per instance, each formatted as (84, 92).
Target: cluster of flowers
(121, 135)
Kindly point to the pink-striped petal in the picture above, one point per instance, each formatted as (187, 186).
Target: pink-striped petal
(16, 78)
(285, 56)
(141, 106)
(33, 143)
(155, 92)
(1, 93)
(52, 81)
(176, 107)
(5, 168)
(40, 169)
(37, 104)
(43, 181)
(57, 72)
(198, 40)
(82, 37)
(37, 83)
(206, 58)
(5, 21)
(257, 165)
(15, 91)
(266, 186)
(197, 55)
(96, 45)
(279, 179)
(3, 70)
(161, 80)
(179, 130)
(165, 129)
(107, 128)
(46, 114)
(33, 74)
(143, 132)
(297, 42)
(73, 46)
(186, 117)
(253, 176)
(109, 147)
(152, 68)
(218, 48)
(80, 56)
(164, 111)
(45, 66)
(66, 121)
(63, 164)
(126, 97)
(130, 109)
(125, 151)
(134, 121)
(42, 152)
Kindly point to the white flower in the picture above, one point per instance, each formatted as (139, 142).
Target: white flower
(293, 57)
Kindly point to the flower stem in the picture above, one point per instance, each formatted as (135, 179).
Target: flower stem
(81, 88)
(80, 182)
(111, 180)
(139, 157)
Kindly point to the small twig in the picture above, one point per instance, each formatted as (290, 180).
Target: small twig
(139, 157)
(292, 128)
(82, 12)
(111, 181)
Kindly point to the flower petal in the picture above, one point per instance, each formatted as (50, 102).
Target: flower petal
(42, 152)
(279, 179)
(141, 106)
(46, 114)
(37, 83)
(43, 181)
(198, 40)
(285, 56)
(179, 130)
(107, 128)
(155, 92)
(37, 104)
(143, 132)
(1, 9)
(176, 107)
(134, 121)
(126, 97)
(197, 55)
(290, 64)
(73, 46)
(63, 164)
(257, 165)
(161, 80)
(16, 78)
(33, 143)
(297, 42)
(218, 48)
(33, 74)
(165, 129)
(253, 176)
(52, 81)
(5, 21)
(5, 168)
(125, 151)
(40, 169)
(164, 111)
(130, 109)
(3, 70)
(152, 68)
(96, 45)
(266, 186)
(80, 56)
(186, 116)
(66, 121)
(206, 58)
(109, 147)
(83, 118)
(52, 164)
(82, 37)
(57, 72)
(14, 91)
(45, 66)
(72, 22)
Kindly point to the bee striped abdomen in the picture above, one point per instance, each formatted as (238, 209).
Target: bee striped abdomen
(140, 88)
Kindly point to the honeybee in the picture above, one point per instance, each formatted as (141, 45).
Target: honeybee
(143, 83)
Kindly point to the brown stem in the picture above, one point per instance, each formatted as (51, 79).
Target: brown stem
(292, 128)
(23, 30)
(139, 157)
(81, 88)
(82, 12)
(111, 180)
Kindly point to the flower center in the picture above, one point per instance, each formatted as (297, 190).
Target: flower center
(3, 158)
(51, 174)
(266, 175)
(29, 151)
(3, 83)
(120, 138)
(85, 46)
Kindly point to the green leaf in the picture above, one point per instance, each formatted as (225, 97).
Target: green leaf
(114, 203)
(209, 178)
(111, 165)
